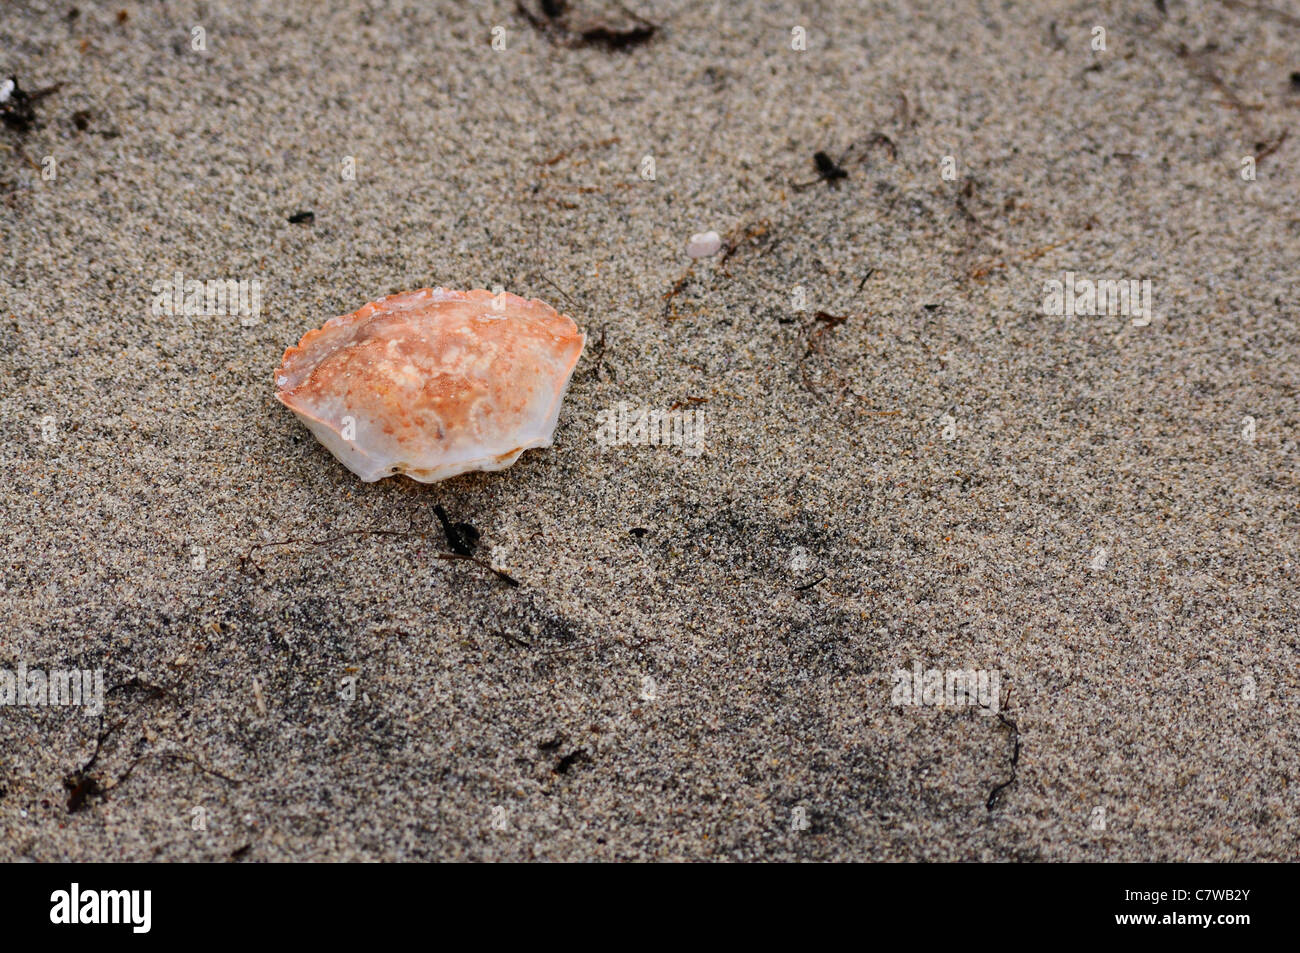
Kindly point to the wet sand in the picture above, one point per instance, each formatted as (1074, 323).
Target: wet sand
(906, 463)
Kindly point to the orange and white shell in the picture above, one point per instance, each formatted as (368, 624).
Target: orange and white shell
(433, 383)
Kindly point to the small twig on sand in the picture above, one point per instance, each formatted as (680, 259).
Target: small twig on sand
(247, 557)
(1014, 730)
(500, 574)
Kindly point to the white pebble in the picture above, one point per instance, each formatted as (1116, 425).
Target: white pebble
(6, 88)
(703, 245)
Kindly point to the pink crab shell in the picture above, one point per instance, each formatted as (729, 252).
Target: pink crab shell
(433, 383)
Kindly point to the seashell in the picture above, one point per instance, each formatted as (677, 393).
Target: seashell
(704, 245)
(433, 383)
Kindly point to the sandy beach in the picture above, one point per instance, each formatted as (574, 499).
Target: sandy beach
(911, 441)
